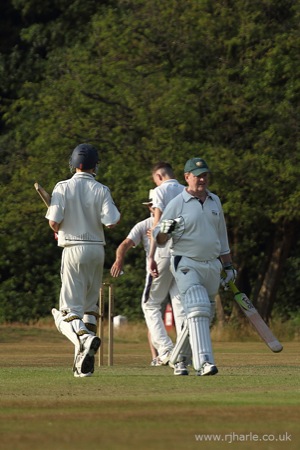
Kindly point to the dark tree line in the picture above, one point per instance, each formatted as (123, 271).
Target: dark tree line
(146, 81)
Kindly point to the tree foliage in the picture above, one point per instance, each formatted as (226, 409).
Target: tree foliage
(147, 81)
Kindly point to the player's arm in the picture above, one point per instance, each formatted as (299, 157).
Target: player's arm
(162, 238)
(152, 263)
(55, 213)
(229, 273)
(164, 230)
(110, 215)
(226, 259)
(54, 225)
(121, 251)
(112, 225)
(157, 216)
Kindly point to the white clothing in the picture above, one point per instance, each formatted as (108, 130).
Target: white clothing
(165, 192)
(196, 246)
(81, 276)
(139, 234)
(81, 205)
(156, 289)
(202, 234)
(91, 208)
(155, 293)
(188, 272)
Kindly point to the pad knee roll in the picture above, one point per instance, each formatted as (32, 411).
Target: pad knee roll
(197, 303)
(70, 325)
(198, 311)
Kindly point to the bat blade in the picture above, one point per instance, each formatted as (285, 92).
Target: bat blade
(256, 320)
(43, 194)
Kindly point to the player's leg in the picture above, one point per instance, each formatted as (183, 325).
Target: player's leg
(182, 351)
(72, 305)
(145, 297)
(178, 310)
(154, 354)
(93, 275)
(153, 298)
(198, 311)
(197, 307)
(92, 264)
(182, 354)
(211, 282)
(86, 345)
(90, 319)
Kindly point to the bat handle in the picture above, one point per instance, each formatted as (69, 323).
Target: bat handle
(233, 287)
(231, 283)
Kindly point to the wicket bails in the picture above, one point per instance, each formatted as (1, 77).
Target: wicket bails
(106, 288)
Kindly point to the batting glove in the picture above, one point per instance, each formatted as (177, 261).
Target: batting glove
(167, 226)
(229, 274)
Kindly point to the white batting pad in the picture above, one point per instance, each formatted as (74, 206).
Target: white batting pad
(66, 328)
(198, 310)
(182, 348)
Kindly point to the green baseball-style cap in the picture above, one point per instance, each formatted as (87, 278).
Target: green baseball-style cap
(196, 166)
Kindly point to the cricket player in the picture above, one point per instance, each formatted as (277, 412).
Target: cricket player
(80, 206)
(141, 232)
(195, 223)
(161, 280)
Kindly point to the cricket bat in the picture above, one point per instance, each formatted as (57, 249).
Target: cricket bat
(43, 194)
(254, 317)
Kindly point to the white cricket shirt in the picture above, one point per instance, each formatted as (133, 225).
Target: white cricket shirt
(202, 234)
(139, 234)
(82, 205)
(164, 193)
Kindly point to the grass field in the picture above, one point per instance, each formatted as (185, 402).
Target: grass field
(253, 403)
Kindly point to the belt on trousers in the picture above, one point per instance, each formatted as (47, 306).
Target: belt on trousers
(177, 259)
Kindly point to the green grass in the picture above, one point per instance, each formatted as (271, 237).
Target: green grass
(134, 406)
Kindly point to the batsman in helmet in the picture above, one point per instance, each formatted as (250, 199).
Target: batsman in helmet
(80, 208)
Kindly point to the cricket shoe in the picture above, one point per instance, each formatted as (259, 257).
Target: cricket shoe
(156, 362)
(207, 369)
(85, 359)
(81, 375)
(180, 368)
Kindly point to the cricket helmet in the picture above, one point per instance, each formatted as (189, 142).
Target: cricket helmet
(84, 157)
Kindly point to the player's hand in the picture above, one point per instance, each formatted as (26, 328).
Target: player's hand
(167, 226)
(116, 270)
(228, 274)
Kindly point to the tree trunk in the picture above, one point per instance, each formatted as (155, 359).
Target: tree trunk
(283, 239)
(220, 312)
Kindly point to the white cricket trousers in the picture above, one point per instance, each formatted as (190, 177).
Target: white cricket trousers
(155, 293)
(81, 278)
(190, 272)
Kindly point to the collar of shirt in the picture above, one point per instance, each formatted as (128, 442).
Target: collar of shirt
(83, 175)
(170, 180)
(187, 196)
